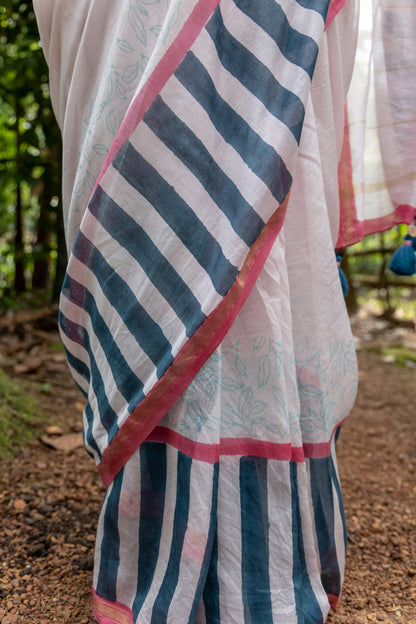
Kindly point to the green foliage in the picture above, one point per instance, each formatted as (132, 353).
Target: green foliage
(18, 415)
(29, 151)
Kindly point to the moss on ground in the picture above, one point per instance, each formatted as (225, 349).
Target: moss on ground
(19, 415)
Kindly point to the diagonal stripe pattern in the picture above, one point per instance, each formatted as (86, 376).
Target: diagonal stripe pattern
(191, 192)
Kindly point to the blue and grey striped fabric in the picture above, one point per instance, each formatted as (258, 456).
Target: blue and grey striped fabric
(174, 217)
(230, 542)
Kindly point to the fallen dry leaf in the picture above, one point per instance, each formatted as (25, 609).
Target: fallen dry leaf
(67, 442)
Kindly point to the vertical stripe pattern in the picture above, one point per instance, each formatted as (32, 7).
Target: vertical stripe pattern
(176, 532)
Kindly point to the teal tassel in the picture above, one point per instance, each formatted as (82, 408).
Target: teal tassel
(343, 279)
(403, 261)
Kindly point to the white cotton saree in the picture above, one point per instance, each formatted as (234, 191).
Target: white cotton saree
(202, 310)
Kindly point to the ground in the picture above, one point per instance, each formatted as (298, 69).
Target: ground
(50, 498)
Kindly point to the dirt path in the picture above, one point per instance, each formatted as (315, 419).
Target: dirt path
(49, 504)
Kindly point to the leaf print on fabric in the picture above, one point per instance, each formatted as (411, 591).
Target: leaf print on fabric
(240, 366)
(120, 89)
(280, 397)
(111, 122)
(259, 342)
(91, 180)
(246, 397)
(125, 46)
(231, 418)
(263, 371)
(143, 62)
(230, 384)
(100, 149)
(95, 114)
(80, 188)
(277, 349)
(137, 25)
(173, 18)
(130, 73)
(156, 30)
(108, 91)
(195, 414)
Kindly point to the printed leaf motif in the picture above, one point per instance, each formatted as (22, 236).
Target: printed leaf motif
(173, 18)
(230, 418)
(183, 425)
(259, 342)
(137, 25)
(309, 390)
(274, 429)
(90, 180)
(100, 149)
(240, 366)
(150, 1)
(195, 413)
(156, 30)
(119, 89)
(277, 350)
(144, 61)
(79, 188)
(256, 407)
(280, 397)
(211, 385)
(130, 73)
(333, 348)
(341, 390)
(142, 9)
(96, 113)
(320, 372)
(246, 397)
(307, 425)
(327, 412)
(125, 46)
(111, 122)
(228, 383)
(257, 421)
(108, 91)
(263, 372)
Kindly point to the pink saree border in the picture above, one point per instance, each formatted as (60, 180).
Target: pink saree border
(335, 7)
(191, 357)
(211, 453)
(106, 612)
(164, 69)
(351, 229)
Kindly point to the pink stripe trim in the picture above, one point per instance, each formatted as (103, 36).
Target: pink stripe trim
(191, 357)
(106, 612)
(335, 7)
(164, 69)
(211, 453)
(402, 214)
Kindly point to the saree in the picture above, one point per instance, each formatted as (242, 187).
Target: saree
(377, 173)
(202, 310)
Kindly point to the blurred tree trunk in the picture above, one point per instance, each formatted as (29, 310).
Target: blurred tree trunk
(41, 269)
(19, 275)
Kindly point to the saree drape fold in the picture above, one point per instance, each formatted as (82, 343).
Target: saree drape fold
(202, 311)
(377, 169)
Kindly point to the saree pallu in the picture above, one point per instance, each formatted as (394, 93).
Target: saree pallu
(377, 170)
(202, 311)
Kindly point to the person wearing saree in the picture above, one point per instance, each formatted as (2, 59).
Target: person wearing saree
(202, 311)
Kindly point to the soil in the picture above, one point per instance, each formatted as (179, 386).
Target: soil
(50, 498)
